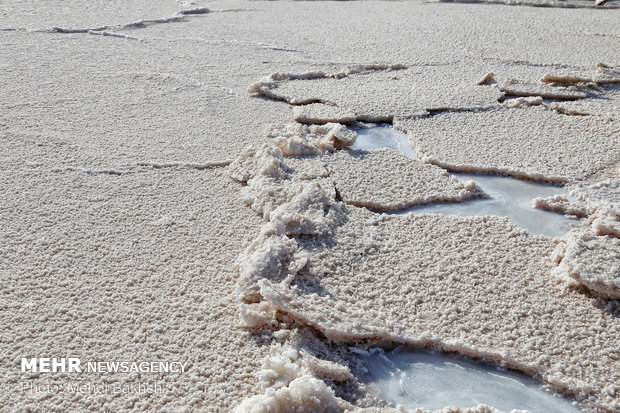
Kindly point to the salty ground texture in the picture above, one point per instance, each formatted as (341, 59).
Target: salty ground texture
(386, 180)
(561, 204)
(477, 286)
(531, 142)
(118, 240)
(591, 256)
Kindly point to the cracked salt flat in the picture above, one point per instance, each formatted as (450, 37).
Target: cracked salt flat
(509, 197)
(434, 381)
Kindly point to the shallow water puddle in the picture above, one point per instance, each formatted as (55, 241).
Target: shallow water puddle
(422, 378)
(509, 197)
(383, 137)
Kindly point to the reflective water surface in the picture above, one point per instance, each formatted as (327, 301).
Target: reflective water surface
(422, 378)
(383, 137)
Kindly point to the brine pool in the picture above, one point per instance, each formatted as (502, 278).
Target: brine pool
(423, 378)
(508, 197)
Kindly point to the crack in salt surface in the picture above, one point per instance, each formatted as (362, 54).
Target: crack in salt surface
(90, 171)
(265, 87)
(194, 165)
(107, 30)
(113, 34)
(154, 165)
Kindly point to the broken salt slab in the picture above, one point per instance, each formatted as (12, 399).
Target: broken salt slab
(382, 136)
(508, 197)
(422, 378)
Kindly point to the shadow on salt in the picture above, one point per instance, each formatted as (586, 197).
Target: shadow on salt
(423, 378)
(509, 197)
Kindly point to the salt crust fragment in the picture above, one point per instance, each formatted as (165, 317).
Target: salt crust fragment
(266, 160)
(591, 257)
(585, 108)
(376, 91)
(606, 74)
(264, 86)
(271, 255)
(517, 88)
(298, 207)
(531, 142)
(257, 315)
(604, 101)
(288, 378)
(602, 74)
(291, 208)
(567, 78)
(523, 102)
(560, 203)
(386, 180)
(301, 140)
(606, 223)
(487, 79)
(604, 193)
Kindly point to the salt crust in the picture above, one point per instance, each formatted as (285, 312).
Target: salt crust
(602, 74)
(591, 257)
(453, 137)
(264, 86)
(290, 208)
(136, 268)
(319, 113)
(165, 290)
(453, 298)
(289, 378)
(386, 180)
(604, 193)
(300, 140)
(529, 142)
(604, 101)
(523, 102)
(516, 88)
(378, 96)
(560, 203)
